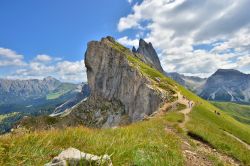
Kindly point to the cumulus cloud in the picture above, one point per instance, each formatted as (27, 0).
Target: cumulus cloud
(128, 42)
(9, 57)
(43, 58)
(176, 27)
(64, 70)
(41, 66)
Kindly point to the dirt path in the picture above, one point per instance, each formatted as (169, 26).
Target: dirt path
(189, 105)
(191, 155)
(201, 153)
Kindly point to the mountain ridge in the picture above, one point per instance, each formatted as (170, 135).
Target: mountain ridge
(223, 85)
(20, 90)
(34, 97)
(227, 85)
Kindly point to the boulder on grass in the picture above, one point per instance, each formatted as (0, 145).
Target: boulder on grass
(73, 156)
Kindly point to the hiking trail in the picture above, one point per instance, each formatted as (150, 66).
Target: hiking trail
(200, 153)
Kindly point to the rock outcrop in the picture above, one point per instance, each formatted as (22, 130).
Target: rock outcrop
(110, 76)
(123, 88)
(120, 93)
(149, 54)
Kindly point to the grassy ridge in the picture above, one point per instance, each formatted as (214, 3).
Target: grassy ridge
(142, 143)
(237, 111)
(205, 123)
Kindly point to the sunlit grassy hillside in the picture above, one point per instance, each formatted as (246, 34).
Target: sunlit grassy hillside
(237, 111)
(142, 143)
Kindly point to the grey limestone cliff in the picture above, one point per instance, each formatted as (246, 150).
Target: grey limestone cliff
(121, 92)
(110, 76)
(118, 89)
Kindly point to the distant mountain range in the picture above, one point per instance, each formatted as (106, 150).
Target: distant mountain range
(224, 85)
(15, 91)
(227, 85)
(19, 98)
(193, 83)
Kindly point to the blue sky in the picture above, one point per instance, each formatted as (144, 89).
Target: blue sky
(59, 27)
(194, 37)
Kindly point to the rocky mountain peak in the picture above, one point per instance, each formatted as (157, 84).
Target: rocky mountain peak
(149, 53)
(108, 39)
(228, 72)
(119, 91)
(227, 85)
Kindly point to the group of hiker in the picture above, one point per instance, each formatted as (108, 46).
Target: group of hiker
(190, 103)
(217, 112)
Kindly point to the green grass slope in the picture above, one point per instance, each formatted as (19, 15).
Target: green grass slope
(142, 143)
(205, 123)
(238, 111)
(210, 127)
(138, 144)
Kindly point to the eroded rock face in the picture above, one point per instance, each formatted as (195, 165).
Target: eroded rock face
(121, 91)
(150, 55)
(111, 77)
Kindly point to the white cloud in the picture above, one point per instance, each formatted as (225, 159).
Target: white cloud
(41, 66)
(240, 41)
(64, 70)
(128, 42)
(244, 62)
(10, 54)
(43, 58)
(126, 23)
(175, 26)
(9, 57)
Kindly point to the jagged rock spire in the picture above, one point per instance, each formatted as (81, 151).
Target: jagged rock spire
(150, 54)
(134, 49)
